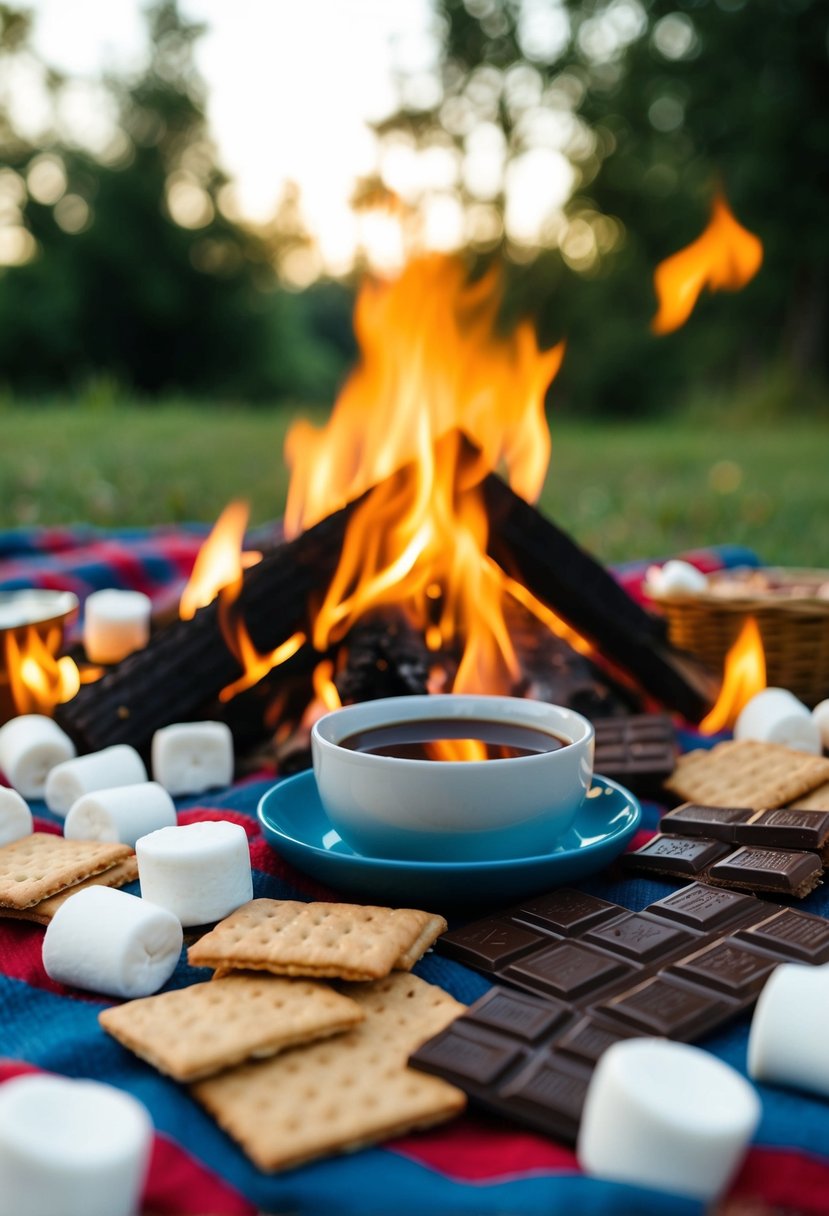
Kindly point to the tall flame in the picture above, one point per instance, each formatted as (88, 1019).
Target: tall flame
(438, 401)
(724, 258)
(744, 676)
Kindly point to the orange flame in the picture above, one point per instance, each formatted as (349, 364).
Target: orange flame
(220, 560)
(744, 676)
(38, 680)
(438, 401)
(724, 258)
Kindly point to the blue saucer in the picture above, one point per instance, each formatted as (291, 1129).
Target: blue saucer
(297, 827)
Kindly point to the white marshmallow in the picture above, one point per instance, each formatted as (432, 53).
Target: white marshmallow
(666, 1115)
(678, 577)
(123, 813)
(111, 942)
(71, 1148)
(15, 817)
(776, 716)
(200, 872)
(118, 765)
(190, 757)
(30, 747)
(787, 1041)
(115, 624)
(820, 715)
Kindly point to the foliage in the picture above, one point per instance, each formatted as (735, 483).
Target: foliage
(139, 274)
(657, 103)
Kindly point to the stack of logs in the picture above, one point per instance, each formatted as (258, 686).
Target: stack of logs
(186, 664)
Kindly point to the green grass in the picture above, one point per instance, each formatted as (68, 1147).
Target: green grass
(623, 490)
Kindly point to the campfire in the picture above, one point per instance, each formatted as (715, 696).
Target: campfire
(412, 558)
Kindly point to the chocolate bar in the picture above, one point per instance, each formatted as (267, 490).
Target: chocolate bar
(639, 751)
(585, 973)
(784, 828)
(774, 871)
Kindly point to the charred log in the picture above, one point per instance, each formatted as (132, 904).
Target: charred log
(187, 664)
(565, 578)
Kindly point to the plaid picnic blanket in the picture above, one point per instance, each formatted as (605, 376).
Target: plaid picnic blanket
(475, 1164)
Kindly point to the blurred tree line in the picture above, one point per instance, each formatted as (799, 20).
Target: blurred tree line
(658, 103)
(130, 266)
(131, 274)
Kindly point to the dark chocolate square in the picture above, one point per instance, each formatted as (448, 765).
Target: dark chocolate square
(638, 937)
(566, 911)
(517, 1013)
(684, 856)
(704, 908)
(490, 943)
(589, 1039)
(552, 1090)
(727, 967)
(480, 1059)
(715, 822)
(567, 969)
(796, 935)
(662, 1007)
(776, 870)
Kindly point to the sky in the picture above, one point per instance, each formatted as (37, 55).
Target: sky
(292, 86)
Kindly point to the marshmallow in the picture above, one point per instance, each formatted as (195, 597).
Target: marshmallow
(15, 817)
(115, 624)
(820, 714)
(118, 765)
(30, 747)
(200, 872)
(123, 813)
(680, 578)
(71, 1148)
(111, 942)
(666, 1115)
(191, 757)
(787, 1041)
(776, 716)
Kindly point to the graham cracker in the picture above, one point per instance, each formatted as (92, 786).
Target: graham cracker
(42, 864)
(194, 1032)
(345, 1093)
(41, 913)
(817, 800)
(747, 773)
(348, 941)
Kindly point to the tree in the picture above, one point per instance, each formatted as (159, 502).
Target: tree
(654, 103)
(131, 264)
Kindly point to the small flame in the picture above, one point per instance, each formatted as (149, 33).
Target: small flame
(325, 690)
(744, 676)
(37, 678)
(217, 571)
(220, 560)
(724, 258)
(438, 401)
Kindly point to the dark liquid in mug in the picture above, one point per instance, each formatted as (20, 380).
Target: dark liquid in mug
(453, 739)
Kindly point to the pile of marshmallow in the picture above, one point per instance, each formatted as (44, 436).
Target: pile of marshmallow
(111, 942)
(107, 940)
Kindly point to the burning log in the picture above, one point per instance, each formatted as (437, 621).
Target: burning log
(570, 582)
(186, 665)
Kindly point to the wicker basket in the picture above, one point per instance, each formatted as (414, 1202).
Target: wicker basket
(793, 622)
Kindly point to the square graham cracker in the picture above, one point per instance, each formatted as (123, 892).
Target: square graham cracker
(344, 1093)
(42, 864)
(816, 800)
(345, 941)
(41, 913)
(747, 773)
(194, 1032)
